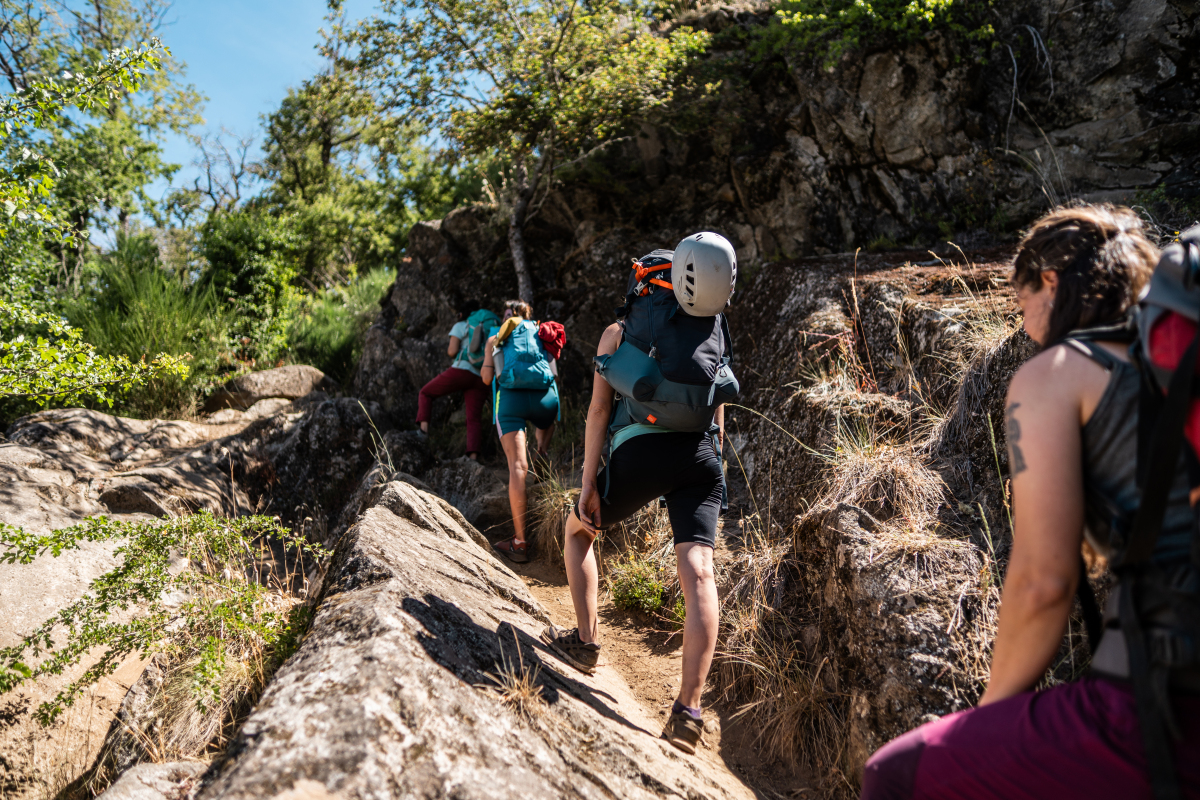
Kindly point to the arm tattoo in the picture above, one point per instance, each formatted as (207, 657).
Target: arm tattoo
(1016, 459)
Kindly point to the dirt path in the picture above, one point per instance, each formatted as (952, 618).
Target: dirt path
(649, 660)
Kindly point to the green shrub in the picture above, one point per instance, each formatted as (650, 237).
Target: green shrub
(221, 626)
(136, 308)
(27, 269)
(328, 330)
(636, 584)
(44, 361)
(251, 260)
(829, 28)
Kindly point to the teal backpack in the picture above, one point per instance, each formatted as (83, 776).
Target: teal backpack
(526, 362)
(479, 326)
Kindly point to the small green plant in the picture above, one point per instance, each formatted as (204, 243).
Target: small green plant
(882, 243)
(677, 614)
(329, 328)
(636, 583)
(223, 624)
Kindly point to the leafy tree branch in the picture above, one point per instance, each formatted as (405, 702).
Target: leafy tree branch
(521, 85)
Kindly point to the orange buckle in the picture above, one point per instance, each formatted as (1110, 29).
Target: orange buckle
(642, 273)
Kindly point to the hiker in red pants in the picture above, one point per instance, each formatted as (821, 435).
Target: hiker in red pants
(1097, 449)
(467, 339)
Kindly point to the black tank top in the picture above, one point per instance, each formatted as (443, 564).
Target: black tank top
(1110, 468)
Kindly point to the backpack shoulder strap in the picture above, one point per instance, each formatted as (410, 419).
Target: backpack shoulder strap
(727, 355)
(1092, 351)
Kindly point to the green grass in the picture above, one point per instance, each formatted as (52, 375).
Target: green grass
(137, 308)
(329, 329)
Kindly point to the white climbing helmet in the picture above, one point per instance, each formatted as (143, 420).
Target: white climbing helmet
(703, 273)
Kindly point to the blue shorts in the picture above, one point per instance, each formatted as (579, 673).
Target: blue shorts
(516, 406)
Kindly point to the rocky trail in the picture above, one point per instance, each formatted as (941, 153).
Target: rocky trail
(648, 661)
(400, 686)
(855, 577)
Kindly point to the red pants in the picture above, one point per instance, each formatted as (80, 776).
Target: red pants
(1074, 741)
(451, 381)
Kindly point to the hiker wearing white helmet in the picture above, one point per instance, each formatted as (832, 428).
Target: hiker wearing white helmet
(655, 428)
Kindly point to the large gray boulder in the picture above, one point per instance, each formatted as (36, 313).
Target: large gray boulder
(393, 692)
(174, 781)
(474, 489)
(291, 383)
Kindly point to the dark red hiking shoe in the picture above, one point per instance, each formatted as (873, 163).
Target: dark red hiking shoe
(518, 554)
(581, 655)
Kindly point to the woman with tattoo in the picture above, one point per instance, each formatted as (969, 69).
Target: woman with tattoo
(1072, 435)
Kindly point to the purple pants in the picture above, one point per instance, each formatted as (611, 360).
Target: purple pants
(1076, 741)
(475, 392)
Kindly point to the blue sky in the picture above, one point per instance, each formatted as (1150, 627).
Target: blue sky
(244, 55)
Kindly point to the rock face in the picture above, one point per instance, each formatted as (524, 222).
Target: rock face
(473, 489)
(394, 694)
(289, 383)
(891, 648)
(307, 461)
(920, 143)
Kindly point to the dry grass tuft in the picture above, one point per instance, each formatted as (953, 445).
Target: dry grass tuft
(517, 687)
(887, 480)
(549, 505)
(800, 721)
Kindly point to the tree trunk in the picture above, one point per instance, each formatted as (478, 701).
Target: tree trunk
(516, 233)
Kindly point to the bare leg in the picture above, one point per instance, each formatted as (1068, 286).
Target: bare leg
(543, 438)
(518, 468)
(584, 577)
(700, 625)
(424, 427)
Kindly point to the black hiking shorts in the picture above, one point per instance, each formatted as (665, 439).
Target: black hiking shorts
(682, 467)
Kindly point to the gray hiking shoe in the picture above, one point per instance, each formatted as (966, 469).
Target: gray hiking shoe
(580, 655)
(683, 731)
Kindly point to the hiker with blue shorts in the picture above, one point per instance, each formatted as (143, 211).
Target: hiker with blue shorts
(520, 363)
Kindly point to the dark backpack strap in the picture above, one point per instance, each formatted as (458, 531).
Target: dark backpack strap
(1090, 349)
(1158, 462)
(728, 339)
(1083, 343)
(1093, 622)
(1124, 330)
